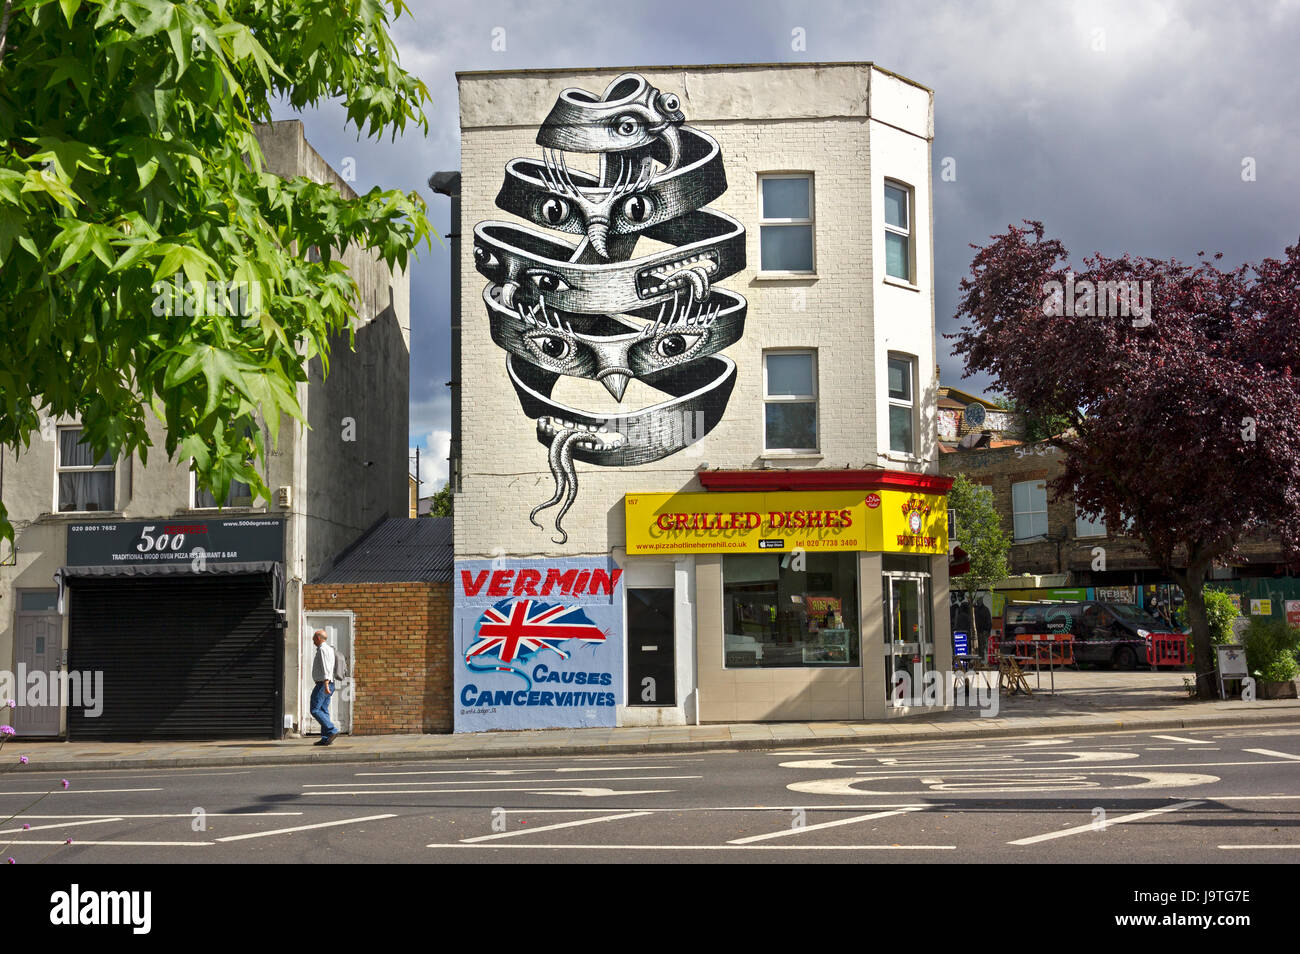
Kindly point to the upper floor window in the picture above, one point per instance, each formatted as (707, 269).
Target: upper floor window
(790, 400)
(785, 223)
(85, 483)
(239, 495)
(898, 231)
(902, 404)
(1086, 527)
(1029, 508)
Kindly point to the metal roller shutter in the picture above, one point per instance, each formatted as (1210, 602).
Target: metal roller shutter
(183, 657)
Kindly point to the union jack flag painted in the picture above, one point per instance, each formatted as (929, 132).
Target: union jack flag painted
(516, 630)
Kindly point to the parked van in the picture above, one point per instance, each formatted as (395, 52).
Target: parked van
(1115, 634)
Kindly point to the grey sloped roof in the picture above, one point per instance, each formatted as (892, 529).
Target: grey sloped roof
(397, 550)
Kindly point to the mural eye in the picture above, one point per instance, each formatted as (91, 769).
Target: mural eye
(555, 211)
(672, 346)
(547, 282)
(627, 125)
(486, 263)
(636, 208)
(669, 102)
(553, 347)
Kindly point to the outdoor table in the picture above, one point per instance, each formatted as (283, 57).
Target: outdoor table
(970, 666)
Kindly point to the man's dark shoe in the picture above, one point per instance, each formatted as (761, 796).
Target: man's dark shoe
(324, 740)
(329, 739)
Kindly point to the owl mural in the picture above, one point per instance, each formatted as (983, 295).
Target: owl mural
(571, 297)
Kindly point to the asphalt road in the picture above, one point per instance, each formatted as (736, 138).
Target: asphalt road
(1194, 797)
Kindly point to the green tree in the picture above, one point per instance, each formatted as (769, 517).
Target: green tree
(128, 158)
(1220, 612)
(979, 532)
(440, 502)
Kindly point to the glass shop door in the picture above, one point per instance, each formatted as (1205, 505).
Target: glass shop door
(909, 647)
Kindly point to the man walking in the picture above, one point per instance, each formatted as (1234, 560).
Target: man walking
(322, 673)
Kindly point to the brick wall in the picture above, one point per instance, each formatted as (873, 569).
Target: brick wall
(402, 653)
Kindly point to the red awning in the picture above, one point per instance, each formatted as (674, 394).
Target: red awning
(958, 562)
(759, 481)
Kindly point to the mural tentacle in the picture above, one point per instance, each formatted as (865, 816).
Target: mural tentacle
(592, 309)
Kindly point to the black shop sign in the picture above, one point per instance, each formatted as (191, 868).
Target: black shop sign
(162, 541)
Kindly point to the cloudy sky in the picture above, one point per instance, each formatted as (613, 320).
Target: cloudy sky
(1155, 128)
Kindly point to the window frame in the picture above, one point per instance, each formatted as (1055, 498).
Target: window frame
(1015, 536)
(194, 496)
(811, 222)
(908, 232)
(60, 469)
(1095, 534)
(910, 403)
(793, 399)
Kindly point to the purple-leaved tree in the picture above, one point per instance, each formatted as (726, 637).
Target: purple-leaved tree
(1182, 384)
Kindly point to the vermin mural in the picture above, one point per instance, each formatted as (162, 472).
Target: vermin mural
(597, 310)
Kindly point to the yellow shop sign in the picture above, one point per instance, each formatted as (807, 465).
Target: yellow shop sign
(884, 520)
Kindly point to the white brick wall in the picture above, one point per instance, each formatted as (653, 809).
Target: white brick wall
(794, 117)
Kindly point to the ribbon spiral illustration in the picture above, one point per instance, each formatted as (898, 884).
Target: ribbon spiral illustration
(591, 310)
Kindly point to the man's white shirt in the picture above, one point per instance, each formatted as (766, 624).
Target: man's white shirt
(322, 667)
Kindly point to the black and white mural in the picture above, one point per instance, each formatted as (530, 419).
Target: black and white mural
(581, 299)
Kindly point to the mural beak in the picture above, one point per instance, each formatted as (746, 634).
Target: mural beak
(597, 232)
(615, 379)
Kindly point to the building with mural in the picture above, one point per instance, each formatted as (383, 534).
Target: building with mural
(693, 450)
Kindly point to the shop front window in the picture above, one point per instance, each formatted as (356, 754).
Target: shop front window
(790, 610)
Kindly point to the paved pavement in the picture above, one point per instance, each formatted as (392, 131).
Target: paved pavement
(1091, 701)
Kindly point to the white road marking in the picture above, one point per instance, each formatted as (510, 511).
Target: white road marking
(583, 768)
(173, 815)
(1276, 755)
(1179, 738)
(93, 821)
(710, 847)
(728, 808)
(1059, 759)
(830, 824)
(84, 791)
(571, 824)
(1028, 780)
(124, 844)
(537, 788)
(286, 831)
(506, 781)
(1090, 826)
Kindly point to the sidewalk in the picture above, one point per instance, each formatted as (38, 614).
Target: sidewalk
(1083, 702)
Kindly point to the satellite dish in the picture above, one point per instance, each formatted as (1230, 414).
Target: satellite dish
(975, 414)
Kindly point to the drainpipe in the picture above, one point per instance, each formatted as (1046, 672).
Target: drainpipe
(448, 184)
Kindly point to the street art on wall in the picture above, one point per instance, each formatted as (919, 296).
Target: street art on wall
(539, 643)
(592, 310)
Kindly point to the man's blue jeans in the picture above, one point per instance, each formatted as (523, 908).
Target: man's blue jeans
(320, 709)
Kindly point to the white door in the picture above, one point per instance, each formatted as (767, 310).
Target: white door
(338, 626)
(38, 648)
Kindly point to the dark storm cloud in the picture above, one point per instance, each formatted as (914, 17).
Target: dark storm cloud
(1122, 126)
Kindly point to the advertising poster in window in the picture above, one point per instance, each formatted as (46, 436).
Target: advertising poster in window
(539, 643)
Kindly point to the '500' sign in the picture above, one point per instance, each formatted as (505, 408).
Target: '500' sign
(159, 543)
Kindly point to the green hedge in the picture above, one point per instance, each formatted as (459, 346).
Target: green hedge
(1272, 649)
